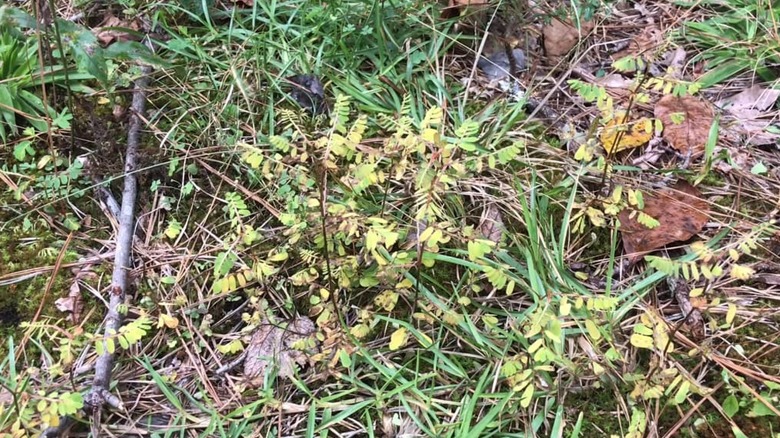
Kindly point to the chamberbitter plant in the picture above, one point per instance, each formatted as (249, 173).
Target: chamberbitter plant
(387, 216)
(617, 132)
(713, 263)
(31, 410)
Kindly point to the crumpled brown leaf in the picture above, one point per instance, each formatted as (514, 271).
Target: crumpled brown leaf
(746, 115)
(73, 304)
(681, 213)
(648, 39)
(694, 117)
(560, 37)
(275, 346)
(491, 224)
(107, 35)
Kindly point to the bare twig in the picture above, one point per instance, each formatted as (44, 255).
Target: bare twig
(99, 395)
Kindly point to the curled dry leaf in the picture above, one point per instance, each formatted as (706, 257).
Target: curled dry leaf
(309, 92)
(491, 224)
(464, 3)
(497, 66)
(560, 37)
(617, 86)
(109, 32)
(681, 214)
(751, 102)
(693, 319)
(687, 121)
(648, 40)
(456, 7)
(747, 115)
(399, 426)
(276, 346)
(73, 304)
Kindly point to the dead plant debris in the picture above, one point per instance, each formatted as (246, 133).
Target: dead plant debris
(679, 209)
(275, 346)
(686, 121)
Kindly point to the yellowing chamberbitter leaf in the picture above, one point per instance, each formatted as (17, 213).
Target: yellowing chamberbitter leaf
(386, 300)
(593, 330)
(398, 339)
(619, 134)
(528, 396)
(360, 331)
(168, 321)
(731, 313)
(596, 217)
(641, 341)
(741, 272)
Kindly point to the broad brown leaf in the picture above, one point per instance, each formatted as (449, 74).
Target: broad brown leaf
(560, 37)
(274, 346)
(686, 121)
(749, 114)
(646, 41)
(491, 224)
(109, 31)
(681, 213)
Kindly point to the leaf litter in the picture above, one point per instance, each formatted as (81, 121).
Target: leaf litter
(748, 116)
(277, 347)
(681, 214)
(686, 123)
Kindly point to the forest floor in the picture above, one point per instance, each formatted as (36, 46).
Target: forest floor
(395, 218)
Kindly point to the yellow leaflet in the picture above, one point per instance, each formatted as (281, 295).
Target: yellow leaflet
(593, 330)
(741, 272)
(398, 339)
(528, 395)
(731, 313)
(641, 341)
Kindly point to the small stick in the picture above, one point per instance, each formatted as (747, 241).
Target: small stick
(99, 395)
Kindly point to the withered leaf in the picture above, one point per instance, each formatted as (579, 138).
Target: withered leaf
(755, 98)
(694, 321)
(681, 213)
(686, 121)
(491, 225)
(73, 304)
(111, 30)
(748, 115)
(646, 41)
(275, 346)
(560, 37)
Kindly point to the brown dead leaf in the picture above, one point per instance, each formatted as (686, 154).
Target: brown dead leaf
(681, 213)
(751, 102)
(560, 37)
(276, 346)
(491, 224)
(73, 304)
(463, 3)
(648, 40)
(694, 322)
(456, 7)
(107, 32)
(686, 122)
(747, 115)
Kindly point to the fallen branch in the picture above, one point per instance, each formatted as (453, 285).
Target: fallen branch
(99, 395)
